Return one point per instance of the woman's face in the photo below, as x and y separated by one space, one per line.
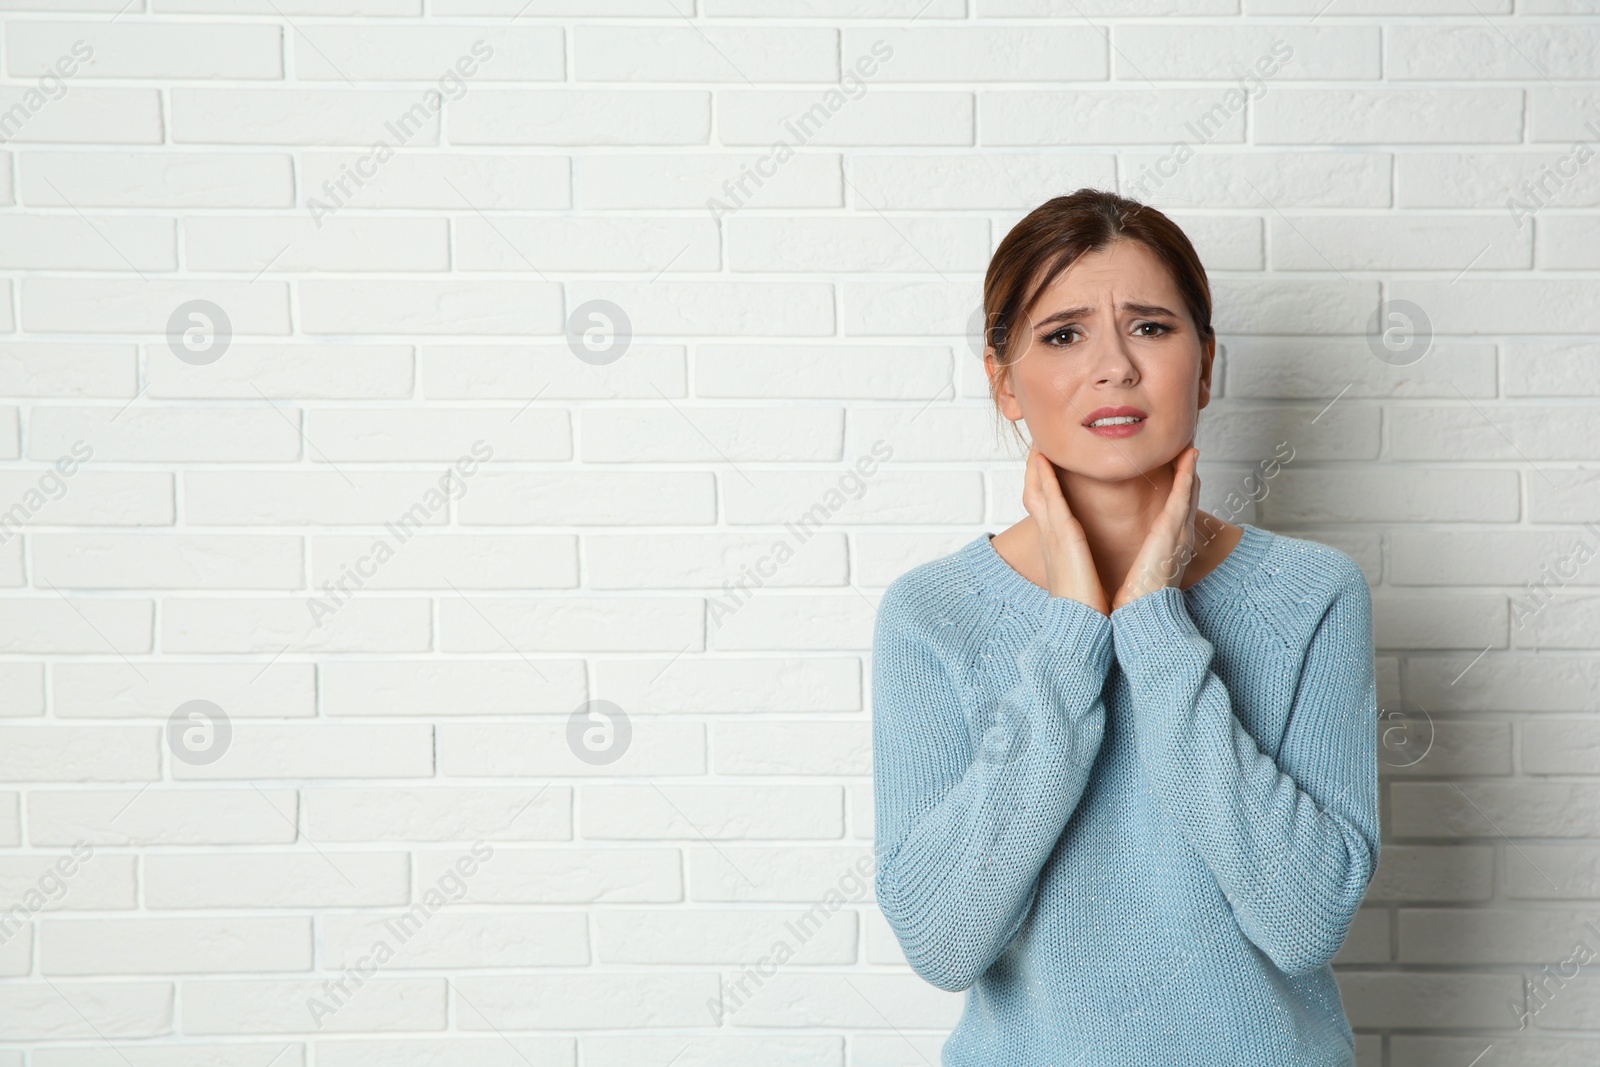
1110 332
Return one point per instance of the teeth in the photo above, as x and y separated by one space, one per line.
1116 420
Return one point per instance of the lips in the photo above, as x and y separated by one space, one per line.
1109 413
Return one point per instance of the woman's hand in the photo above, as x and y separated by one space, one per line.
1169 545
1068 564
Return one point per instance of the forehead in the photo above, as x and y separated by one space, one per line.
1128 270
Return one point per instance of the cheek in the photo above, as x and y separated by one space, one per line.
1032 380
1178 386
1052 379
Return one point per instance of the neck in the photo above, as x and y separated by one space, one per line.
1117 517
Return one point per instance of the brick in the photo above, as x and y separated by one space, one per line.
300 879
439 813
440 687
283 1007
163 816
111 690
566 876
134 561
174 946
89 1010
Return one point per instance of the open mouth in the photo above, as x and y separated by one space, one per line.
1120 421
1117 421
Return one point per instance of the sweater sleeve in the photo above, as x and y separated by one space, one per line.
1293 841
963 824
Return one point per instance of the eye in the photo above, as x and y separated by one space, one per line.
1161 326
1065 331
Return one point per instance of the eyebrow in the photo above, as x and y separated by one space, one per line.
1078 312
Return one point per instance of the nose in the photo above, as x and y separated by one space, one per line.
1112 364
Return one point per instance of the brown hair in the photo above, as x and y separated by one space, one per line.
1054 234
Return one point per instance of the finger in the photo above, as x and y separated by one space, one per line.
1166 549
1040 479
1189 533
1055 501
1194 486
1179 500
1032 493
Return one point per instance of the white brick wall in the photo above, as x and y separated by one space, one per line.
398 531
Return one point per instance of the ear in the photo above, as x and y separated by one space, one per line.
1208 355
1000 385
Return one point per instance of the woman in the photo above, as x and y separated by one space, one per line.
1135 826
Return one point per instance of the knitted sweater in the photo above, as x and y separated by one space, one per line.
1137 839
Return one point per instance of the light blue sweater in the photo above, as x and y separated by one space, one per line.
1136 840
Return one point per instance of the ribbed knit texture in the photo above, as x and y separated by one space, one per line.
1136 840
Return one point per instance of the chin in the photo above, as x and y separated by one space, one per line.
1130 462
1110 467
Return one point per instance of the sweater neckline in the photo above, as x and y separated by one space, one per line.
1001 578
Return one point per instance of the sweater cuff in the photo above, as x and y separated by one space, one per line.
1071 636
1152 629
